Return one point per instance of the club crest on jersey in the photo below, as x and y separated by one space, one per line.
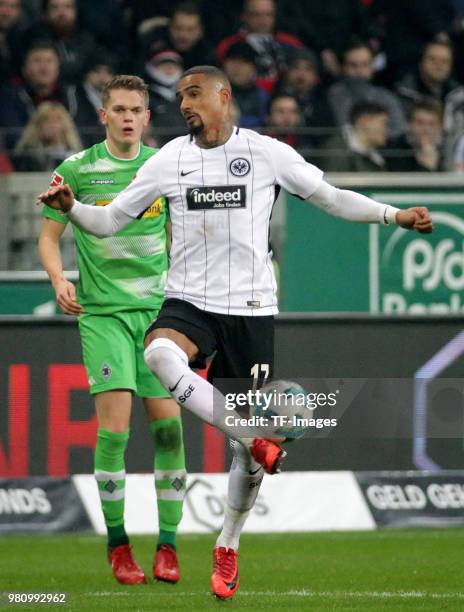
106 371
217 197
239 166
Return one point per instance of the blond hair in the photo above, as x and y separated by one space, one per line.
128 82
30 138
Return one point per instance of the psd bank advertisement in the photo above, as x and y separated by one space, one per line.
410 273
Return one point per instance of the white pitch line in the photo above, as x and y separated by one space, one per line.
302 593
104 594
358 594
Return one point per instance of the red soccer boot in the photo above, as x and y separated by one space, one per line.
225 578
125 568
268 454
166 566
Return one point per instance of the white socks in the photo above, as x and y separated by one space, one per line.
170 364
245 479
231 528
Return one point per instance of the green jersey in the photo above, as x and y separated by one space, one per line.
126 271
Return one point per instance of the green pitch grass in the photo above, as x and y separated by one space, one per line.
385 570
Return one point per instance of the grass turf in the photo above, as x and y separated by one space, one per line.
383 570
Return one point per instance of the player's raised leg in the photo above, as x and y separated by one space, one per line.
167 354
170 482
113 414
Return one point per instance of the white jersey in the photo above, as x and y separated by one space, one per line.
220 204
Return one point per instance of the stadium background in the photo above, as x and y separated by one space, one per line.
356 305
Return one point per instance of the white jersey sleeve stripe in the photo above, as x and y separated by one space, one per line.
252 225
272 200
228 229
184 207
204 231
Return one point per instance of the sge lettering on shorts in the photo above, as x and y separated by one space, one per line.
218 197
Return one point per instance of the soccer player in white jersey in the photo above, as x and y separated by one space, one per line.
221 183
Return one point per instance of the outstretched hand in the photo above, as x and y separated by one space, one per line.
417 218
60 197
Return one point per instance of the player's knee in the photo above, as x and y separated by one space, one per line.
113 437
168 436
162 354
152 356
116 428
114 423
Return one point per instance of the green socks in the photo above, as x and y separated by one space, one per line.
110 474
170 479
170 476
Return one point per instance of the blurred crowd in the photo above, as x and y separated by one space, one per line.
368 85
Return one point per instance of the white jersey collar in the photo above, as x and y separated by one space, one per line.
122 158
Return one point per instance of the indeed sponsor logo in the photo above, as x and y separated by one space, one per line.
217 197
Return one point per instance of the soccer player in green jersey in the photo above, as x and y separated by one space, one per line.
120 290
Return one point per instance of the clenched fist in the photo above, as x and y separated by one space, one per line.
417 218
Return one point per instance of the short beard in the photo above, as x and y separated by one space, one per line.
197 129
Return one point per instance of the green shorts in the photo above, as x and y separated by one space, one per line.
112 347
